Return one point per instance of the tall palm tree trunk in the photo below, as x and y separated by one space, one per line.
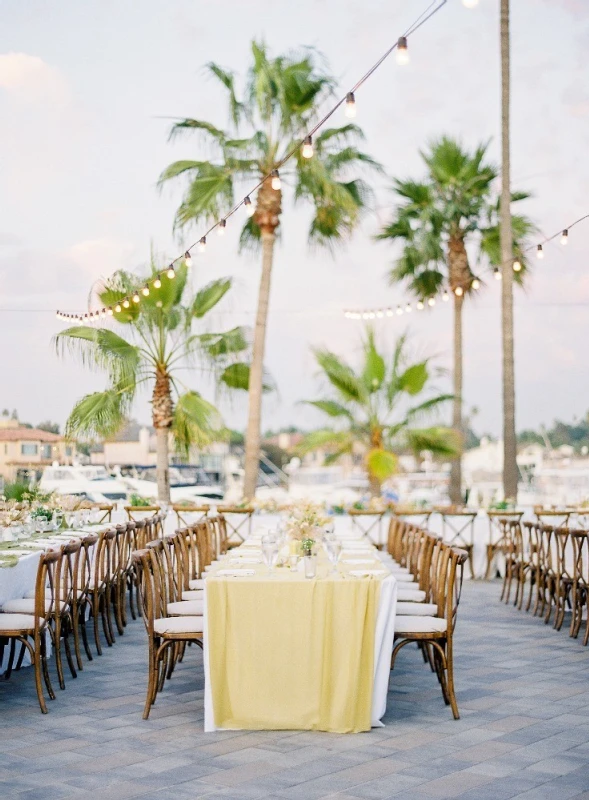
163 415
456 465
252 443
510 474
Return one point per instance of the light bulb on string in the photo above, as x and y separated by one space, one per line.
399 311
126 303
276 184
109 311
420 305
380 314
445 296
459 291
136 298
564 239
540 251
221 227
389 312
431 301
171 273
517 265
188 259
157 284
470 3
118 308
497 273
408 308
308 147
476 283
350 105
202 244
145 290
58 315
249 207
103 313
402 51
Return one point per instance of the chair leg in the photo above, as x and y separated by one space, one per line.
57 647
43 652
75 611
95 613
8 672
36 660
532 585
68 650
82 625
450 678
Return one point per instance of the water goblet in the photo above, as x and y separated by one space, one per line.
334 549
270 552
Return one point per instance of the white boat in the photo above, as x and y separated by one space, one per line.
187 483
91 482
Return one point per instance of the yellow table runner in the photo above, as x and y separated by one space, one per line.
290 653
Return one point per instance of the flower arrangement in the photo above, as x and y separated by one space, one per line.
303 520
267 506
11 513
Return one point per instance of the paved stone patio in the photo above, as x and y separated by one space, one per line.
523 692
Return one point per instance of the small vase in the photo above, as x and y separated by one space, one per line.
310 562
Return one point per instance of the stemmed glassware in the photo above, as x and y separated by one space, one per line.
334 549
270 552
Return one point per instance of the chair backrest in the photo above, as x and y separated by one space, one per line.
448 586
67 575
152 591
104 558
140 512
580 542
166 561
45 587
87 555
105 510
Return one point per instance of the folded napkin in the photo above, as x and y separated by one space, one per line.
234 573
358 560
8 561
365 573
242 560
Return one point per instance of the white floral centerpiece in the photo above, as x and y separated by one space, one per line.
304 522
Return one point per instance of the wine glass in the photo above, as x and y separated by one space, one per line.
270 552
334 549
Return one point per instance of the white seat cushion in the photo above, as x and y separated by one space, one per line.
197 594
408 625
401 570
16 622
186 608
405 580
172 625
417 609
23 606
410 595
196 584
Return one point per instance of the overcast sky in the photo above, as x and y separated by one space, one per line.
85 89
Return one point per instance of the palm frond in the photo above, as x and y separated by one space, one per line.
100 348
342 441
330 407
196 422
443 442
341 376
97 415
227 79
209 296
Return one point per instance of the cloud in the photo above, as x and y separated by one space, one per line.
29 79
9 240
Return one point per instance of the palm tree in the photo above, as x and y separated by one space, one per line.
372 404
510 473
452 207
279 101
161 344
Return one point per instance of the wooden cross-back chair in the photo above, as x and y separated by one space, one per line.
163 632
31 630
185 514
135 513
436 632
580 591
105 510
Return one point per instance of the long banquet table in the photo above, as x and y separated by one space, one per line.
285 652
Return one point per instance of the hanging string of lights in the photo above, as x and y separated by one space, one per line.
381 313
305 146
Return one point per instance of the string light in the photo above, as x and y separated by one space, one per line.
188 259
517 265
350 105
157 284
445 296
136 298
399 311
379 314
408 308
476 283
249 207
276 184
126 302
103 313
171 273
540 251
402 51
401 46
118 308
497 273
109 311
145 290
564 239
459 291
202 244
470 3
420 305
